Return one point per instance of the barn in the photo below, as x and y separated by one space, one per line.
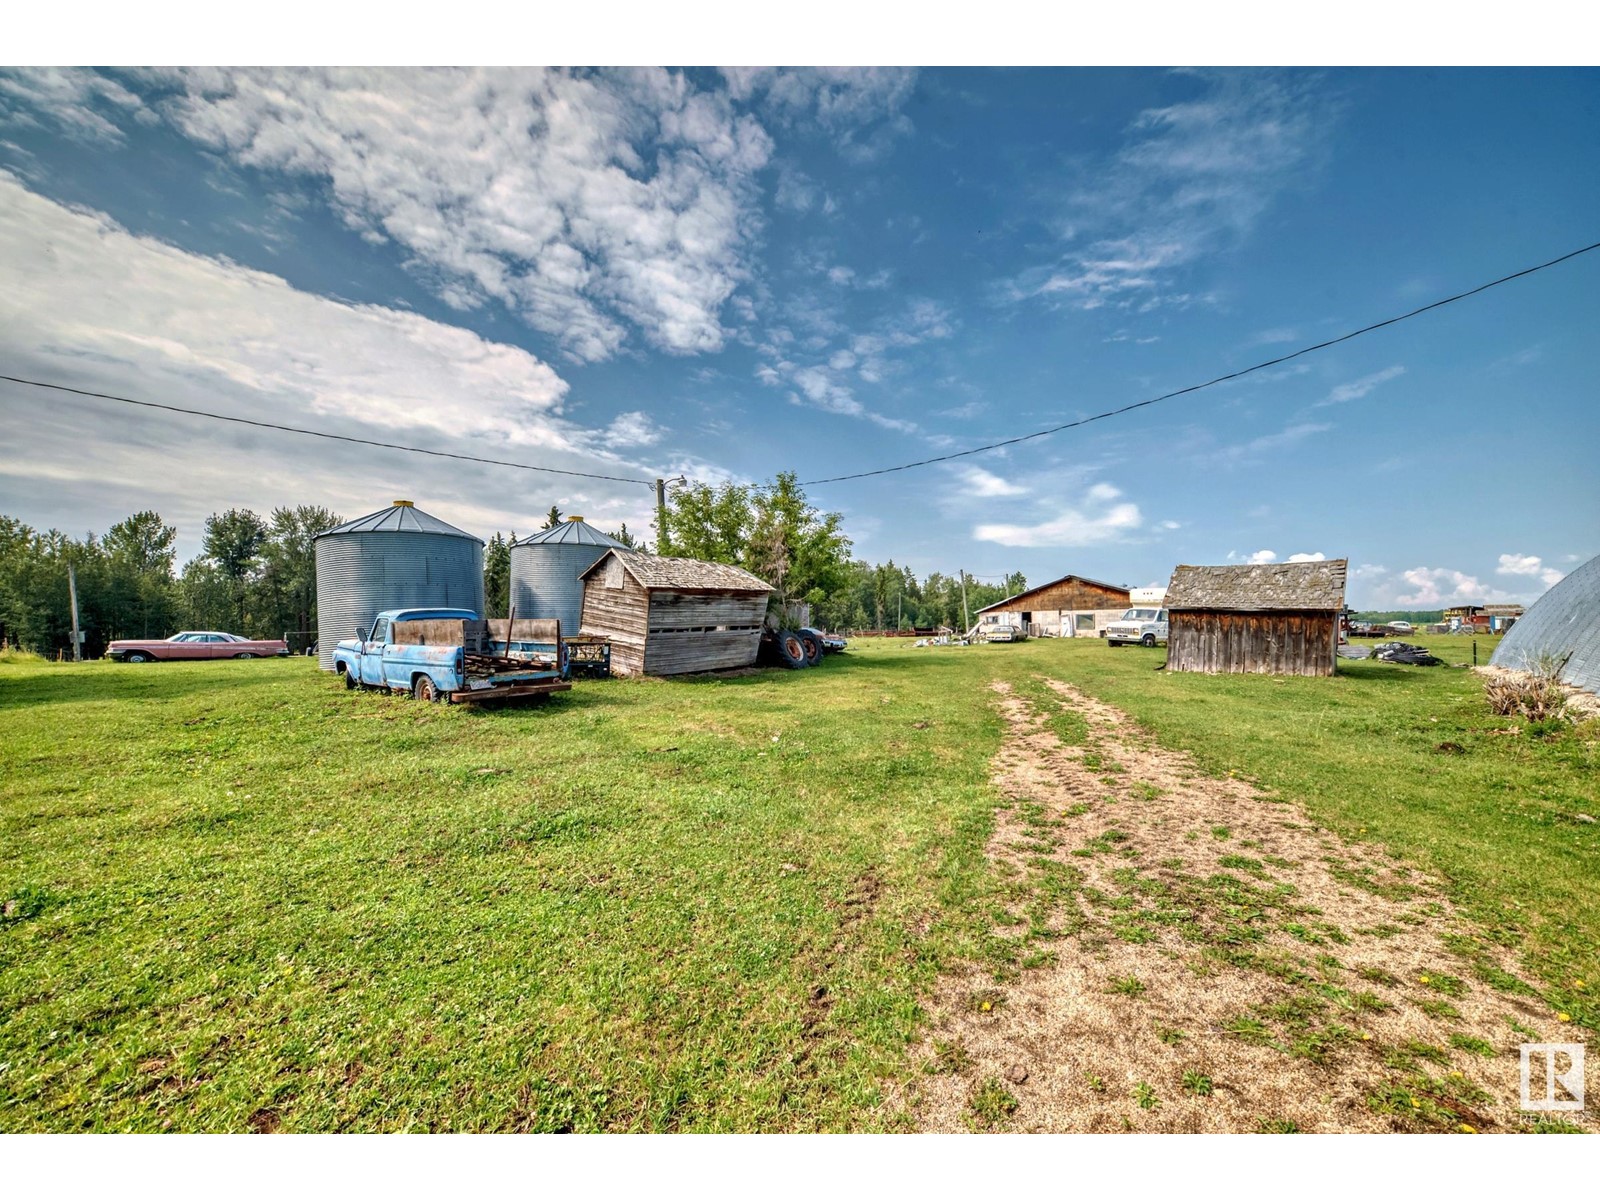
1071 606
669 616
1269 619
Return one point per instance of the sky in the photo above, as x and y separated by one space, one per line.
724 274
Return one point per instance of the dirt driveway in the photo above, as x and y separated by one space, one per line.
1185 954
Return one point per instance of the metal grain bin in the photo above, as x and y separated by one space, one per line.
1560 627
397 557
545 569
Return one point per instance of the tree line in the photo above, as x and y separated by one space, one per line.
254 575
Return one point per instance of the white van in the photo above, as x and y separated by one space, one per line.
1147 626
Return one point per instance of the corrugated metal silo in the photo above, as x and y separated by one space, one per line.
397 557
545 569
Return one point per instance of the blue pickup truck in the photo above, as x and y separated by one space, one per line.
451 654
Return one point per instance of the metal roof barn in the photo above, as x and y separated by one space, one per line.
397 557
545 568
1563 625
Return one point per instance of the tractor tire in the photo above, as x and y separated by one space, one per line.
813 646
790 648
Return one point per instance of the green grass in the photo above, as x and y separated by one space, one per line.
234 896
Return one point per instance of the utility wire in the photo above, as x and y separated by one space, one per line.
318 433
1115 412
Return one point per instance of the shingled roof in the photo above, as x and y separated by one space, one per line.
681 574
1267 587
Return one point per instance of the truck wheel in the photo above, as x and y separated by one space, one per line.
349 681
791 649
1148 639
1112 642
422 689
813 645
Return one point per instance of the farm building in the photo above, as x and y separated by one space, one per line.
1271 619
1071 606
669 616
1562 626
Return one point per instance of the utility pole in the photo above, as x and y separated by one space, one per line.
897 618
72 593
661 516
966 618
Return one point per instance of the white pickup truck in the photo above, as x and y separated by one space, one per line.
1147 626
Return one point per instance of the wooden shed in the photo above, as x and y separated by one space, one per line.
1271 619
1071 606
669 616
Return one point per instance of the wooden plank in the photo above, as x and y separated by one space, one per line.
428 633
531 629
468 696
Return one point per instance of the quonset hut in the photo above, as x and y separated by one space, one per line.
545 569
397 557
1563 626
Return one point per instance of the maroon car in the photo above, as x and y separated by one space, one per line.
204 644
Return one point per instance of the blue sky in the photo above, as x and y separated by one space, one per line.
730 273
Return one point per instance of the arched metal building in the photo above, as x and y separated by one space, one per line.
545 569
1563 624
397 557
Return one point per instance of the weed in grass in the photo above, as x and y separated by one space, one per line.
1094 1083
985 1000
1170 1037
1518 1027
1040 958
1276 1125
1449 985
949 1058
1145 1096
1427 1051
992 1104
1249 1029
1472 1045
1197 1084
1129 986
1221 832
1379 975
1441 1009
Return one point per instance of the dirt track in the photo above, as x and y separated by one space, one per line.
1189 955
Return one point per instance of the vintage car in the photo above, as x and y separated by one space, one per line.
191 644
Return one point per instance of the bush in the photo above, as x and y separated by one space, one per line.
1536 694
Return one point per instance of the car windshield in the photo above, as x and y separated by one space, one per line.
1139 614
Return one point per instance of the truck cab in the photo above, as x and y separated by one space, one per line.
1147 626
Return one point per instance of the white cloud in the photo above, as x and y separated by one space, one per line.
1358 388
71 97
1529 564
632 429
1268 443
981 483
85 303
1317 556
1194 177
1263 556
1097 519
858 106
1170 525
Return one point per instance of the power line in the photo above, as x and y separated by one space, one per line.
318 433
1116 412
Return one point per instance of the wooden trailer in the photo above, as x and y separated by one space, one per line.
1270 619
671 616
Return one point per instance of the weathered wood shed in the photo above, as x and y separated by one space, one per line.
669 616
1270 619
1071 606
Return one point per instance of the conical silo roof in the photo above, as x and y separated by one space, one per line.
574 531
400 517
1563 624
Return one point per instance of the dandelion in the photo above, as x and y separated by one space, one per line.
987 1005
1563 1016
1579 984
1466 1129
1424 979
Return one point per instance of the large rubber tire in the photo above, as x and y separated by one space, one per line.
813 646
349 681
139 656
790 648
422 689
1112 642
1148 639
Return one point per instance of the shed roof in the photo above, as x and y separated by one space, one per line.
652 571
1264 587
1054 583
574 531
400 517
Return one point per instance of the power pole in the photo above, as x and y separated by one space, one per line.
72 593
897 618
966 618
661 516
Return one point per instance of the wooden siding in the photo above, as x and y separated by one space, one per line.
1068 595
672 633
1277 643
621 614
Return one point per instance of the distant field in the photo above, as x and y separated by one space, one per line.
238 897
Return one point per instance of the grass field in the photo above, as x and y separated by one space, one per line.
238 897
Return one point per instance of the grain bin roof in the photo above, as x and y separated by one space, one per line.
399 518
682 574
574 531
1267 587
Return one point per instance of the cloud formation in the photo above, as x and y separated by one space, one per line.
1529 564
1357 388
1099 517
